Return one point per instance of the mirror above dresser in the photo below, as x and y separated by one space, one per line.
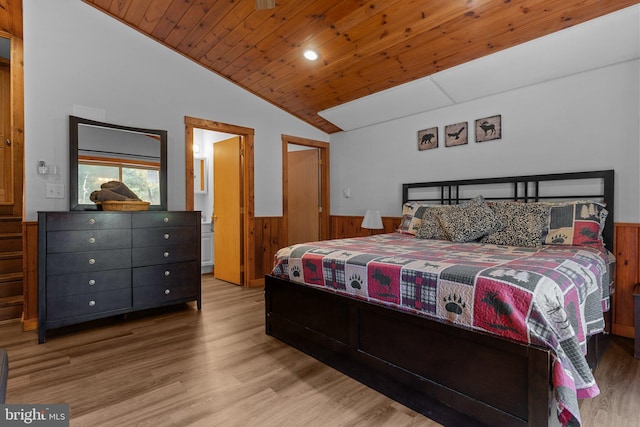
101 152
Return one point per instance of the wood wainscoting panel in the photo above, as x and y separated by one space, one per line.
270 236
627 274
343 226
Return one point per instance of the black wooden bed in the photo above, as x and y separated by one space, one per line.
462 377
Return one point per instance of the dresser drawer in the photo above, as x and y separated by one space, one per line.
87 221
164 255
82 262
87 304
87 240
185 274
143 237
159 288
165 219
83 283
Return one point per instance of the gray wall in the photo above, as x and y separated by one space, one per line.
76 55
586 121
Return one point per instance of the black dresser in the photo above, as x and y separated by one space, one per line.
97 264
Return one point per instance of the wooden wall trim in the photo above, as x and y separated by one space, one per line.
17 120
627 274
248 191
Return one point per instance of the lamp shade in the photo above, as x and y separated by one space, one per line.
372 220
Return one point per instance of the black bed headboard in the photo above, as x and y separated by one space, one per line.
598 185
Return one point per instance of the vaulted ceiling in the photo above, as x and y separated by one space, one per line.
365 46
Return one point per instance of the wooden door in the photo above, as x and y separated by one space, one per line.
303 196
11 112
6 154
227 211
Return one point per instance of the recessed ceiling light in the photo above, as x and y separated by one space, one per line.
310 55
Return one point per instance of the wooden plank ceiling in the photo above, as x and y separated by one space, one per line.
365 46
11 18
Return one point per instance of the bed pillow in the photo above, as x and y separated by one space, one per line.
469 221
430 226
578 223
412 217
525 224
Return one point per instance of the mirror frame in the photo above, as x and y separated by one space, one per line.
74 122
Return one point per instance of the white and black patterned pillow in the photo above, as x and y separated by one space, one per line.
469 221
430 227
525 224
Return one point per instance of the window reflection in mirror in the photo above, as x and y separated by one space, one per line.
143 180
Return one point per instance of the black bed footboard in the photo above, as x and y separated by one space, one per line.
451 375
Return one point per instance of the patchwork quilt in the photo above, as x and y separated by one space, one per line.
552 296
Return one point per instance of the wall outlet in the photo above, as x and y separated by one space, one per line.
55 191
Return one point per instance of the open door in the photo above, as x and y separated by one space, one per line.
227 210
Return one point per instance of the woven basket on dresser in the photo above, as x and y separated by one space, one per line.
129 205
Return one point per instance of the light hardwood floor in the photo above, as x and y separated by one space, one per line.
217 367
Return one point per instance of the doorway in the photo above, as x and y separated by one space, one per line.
305 189
11 125
217 195
244 155
303 194
18 284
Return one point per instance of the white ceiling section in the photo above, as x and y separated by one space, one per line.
611 39
400 101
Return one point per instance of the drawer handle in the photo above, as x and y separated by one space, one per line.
166 236
92 303
167 273
92 220
166 254
167 291
92 282
92 261
92 239
166 219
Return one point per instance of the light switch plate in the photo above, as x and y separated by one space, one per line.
55 191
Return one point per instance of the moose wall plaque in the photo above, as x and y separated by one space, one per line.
489 128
